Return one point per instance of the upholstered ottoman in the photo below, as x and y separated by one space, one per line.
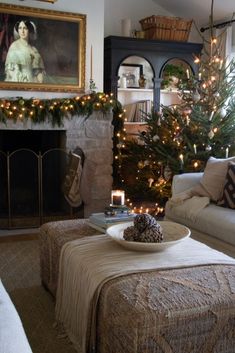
53 236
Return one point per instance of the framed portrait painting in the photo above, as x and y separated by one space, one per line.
42 50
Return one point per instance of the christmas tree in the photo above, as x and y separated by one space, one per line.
182 137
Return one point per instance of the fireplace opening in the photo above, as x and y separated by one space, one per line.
35 140
33 165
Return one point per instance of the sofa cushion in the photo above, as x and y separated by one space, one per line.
12 335
185 182
216 221
213 179
228 199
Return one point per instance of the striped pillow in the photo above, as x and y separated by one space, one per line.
228 199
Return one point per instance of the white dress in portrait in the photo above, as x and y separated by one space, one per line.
23 62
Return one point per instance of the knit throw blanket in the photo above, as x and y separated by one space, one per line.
87 264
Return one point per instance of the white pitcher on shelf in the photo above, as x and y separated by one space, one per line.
123 82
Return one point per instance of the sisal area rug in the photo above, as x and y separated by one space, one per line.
20 274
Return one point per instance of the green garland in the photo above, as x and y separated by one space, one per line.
56 110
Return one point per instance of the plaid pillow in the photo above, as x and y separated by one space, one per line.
228 199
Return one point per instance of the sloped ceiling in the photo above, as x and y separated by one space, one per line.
199 10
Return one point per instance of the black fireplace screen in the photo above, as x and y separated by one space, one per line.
31 188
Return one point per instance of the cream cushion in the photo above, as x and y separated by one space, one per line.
213 220
12 335
213 179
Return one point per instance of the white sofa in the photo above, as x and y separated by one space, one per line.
211 221
12 335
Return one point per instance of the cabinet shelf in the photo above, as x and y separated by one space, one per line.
135 123
135 89
156 52
169 91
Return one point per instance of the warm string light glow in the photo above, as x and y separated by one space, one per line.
84 105
205 90
182 137
151 208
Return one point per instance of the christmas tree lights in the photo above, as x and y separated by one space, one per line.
180 138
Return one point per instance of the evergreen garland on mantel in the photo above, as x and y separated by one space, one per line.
56 110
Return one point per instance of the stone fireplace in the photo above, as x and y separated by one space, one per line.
93 135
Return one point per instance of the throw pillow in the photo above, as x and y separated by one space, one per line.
228 199
213 179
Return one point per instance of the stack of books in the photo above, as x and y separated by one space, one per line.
101 221
114 210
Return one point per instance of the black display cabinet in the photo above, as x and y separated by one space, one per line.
157 53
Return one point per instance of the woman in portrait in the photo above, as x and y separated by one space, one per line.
23 62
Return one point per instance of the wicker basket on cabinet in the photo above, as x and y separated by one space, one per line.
166 28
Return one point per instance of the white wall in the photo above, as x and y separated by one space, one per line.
94 10
103 19
116 10
136 10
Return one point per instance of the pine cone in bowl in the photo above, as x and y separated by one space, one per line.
146 229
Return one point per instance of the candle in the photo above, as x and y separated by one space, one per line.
195 148
181 157
126 27
211 116
118 197
187 73
199 76
91 64
221 64
226 152
187 120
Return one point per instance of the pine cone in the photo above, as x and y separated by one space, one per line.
151 230
130 234
152 235
144 221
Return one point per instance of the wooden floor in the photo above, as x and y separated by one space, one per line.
18 237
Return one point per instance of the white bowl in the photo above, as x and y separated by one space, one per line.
173 233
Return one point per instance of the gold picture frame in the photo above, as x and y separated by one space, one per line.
59 45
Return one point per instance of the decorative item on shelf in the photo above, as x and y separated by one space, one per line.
138 34
142 81
172 74
132 73
166 28
123 82
117 197
92 85
126 27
